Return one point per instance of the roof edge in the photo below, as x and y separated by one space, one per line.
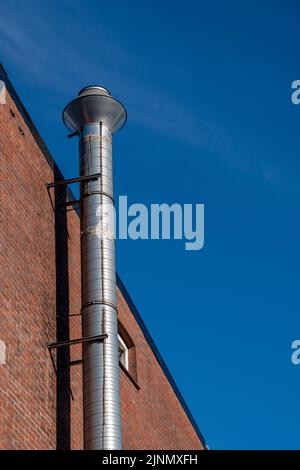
159 358
35 133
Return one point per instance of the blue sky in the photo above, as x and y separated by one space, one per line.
207 88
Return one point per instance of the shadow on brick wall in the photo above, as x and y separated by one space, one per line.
63 404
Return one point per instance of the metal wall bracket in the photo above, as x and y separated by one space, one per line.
68 203
72 342
64 182
73 180
73 134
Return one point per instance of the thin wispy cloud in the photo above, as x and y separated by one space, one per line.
53 60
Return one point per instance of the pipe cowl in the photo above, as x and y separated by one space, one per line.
94 104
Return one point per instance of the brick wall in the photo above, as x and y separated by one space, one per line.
39 287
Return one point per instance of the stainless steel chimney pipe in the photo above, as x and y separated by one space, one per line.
95 115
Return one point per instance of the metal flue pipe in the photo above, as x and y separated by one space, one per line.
95 115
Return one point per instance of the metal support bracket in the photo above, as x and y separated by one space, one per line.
73 180
73 134
72 342
64 182
68 203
